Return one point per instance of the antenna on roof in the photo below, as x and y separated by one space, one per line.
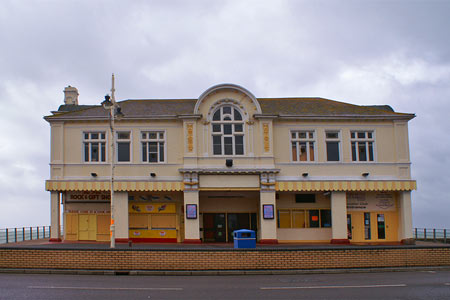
113 98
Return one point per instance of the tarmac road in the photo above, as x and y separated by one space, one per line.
388 285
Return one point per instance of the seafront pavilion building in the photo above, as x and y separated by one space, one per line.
194 170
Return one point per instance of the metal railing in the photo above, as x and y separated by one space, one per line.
14 235
432 234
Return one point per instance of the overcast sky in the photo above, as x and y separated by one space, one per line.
361 52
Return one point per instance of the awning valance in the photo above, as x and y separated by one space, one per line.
311 186
282 186
119 186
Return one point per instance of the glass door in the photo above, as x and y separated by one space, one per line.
208 228
367 232
237 221
220 228
214 229
381 227
349 226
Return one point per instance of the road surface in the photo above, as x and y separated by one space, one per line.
390 285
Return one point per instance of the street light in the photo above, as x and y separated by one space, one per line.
115 113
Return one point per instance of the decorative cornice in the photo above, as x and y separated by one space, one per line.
189 116
347 117
229 171
261 116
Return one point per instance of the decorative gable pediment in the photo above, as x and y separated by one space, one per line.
223 94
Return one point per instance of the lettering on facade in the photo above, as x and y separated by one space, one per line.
150 198
89 196
152 208
266 137
370 201
190 137
384 200
356 201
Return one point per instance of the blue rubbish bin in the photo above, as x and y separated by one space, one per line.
244 238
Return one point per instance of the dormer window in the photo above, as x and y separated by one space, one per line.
227 131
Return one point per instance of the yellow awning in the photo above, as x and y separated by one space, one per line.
282 186
119 186
311 186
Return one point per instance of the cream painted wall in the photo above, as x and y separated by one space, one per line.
74 165
229 181
286 235
391 140
56 151
387 136
121 214
282 133
238 205
73 142
401 141
286 200
339 215
268 227
343 171
405 215
55 221
87 207
191 226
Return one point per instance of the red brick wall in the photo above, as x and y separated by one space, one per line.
224 260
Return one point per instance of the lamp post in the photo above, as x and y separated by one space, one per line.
115 113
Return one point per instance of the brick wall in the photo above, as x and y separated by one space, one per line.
260 259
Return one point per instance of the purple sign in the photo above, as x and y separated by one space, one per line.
268 211
191 211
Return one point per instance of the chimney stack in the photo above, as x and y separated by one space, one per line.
70 96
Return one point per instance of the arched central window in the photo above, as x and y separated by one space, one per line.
227 131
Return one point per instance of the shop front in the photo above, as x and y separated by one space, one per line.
86 216
304 217
293 213
154 217
221 213
372 217
145 216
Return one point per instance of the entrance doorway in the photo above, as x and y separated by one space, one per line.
380 226
214 228
219 227
87 227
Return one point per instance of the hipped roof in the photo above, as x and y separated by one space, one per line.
275 107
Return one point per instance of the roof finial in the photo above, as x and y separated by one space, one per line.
113 98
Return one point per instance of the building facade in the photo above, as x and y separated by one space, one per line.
194 170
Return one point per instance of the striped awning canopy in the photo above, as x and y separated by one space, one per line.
119 186
311 186
282 186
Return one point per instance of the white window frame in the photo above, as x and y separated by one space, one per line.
297 140
338 139
366 140
233 133
90 141
157 140
129 140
